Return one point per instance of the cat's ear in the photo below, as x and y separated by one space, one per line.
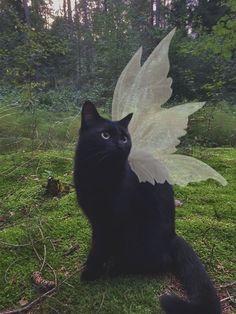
89 114
126 120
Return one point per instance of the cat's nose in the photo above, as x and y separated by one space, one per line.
120 145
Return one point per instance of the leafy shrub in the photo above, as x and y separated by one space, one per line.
38 129
213 126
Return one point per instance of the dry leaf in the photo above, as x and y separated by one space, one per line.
220 266
23 302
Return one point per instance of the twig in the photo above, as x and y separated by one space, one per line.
35 251
44 257
54 273
36 171
44 247
68 284
6 173
227 285
101 304
53 246
222 300
8 268
15 245
71 275
31 304
59 302
52 308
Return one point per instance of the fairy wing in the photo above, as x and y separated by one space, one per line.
147 168
124 85
159 132
141 88
185 169
175 169
159 140
155 131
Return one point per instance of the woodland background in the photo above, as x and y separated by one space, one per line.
55 60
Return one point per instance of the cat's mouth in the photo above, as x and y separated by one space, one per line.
117 155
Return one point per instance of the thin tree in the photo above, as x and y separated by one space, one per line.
27 13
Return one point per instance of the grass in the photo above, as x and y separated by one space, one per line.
206 220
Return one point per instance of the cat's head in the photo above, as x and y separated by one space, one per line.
103 140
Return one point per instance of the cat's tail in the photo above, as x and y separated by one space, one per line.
201 293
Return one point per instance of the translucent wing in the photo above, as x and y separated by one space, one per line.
141 88
147 168
155 131
159 132
159 135
124 85
185 169
176 169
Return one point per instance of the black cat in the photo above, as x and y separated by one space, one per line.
133 223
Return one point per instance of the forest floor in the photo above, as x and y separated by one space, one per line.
50 234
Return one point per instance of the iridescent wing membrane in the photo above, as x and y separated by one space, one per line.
155 131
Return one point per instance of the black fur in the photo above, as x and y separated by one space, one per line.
133 223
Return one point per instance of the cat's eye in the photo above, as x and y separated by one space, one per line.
124 139
105 135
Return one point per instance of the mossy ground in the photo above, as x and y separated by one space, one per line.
206 220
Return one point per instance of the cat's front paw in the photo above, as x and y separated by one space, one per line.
90 274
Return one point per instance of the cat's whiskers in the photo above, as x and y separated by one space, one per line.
95 155
103 157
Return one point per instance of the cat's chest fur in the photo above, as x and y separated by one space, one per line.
117 199
105 195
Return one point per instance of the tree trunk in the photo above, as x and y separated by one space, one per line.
87 40
27 14
105 6
69 11
158 12
78 69
152 13
64 10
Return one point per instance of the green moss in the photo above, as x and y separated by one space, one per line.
206 220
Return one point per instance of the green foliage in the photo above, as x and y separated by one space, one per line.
215 54
49 120
53 120
214 125
88 48
21 129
